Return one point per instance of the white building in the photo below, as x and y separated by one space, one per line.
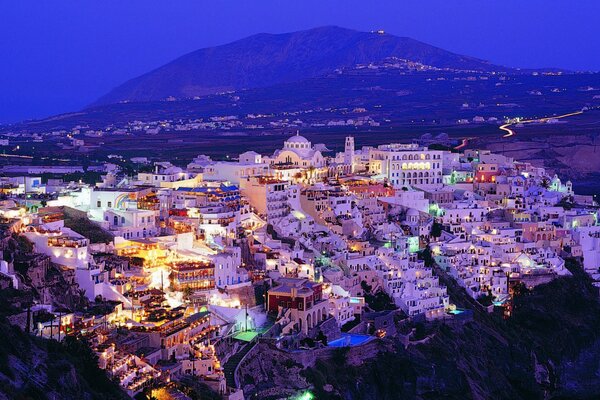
298 151
407 164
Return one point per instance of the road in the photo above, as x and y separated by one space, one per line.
462 144
510 132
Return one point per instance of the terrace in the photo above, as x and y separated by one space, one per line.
67 241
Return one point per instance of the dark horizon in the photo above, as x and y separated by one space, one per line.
60 57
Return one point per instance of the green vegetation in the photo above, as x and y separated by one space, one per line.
438 146
351 324
427 257
87 228
566 203
321 338
260 293
436 229
378 301
485 299
89 177
23 244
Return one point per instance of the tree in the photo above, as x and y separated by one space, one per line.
365 287
427 257
322 338
485 299
545 183
436 229
380 301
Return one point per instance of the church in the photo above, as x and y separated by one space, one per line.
298 151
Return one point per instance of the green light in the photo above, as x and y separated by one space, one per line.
435 210
453 178
304 396
413 244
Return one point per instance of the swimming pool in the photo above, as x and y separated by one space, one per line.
349 340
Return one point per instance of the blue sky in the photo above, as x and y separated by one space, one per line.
57 56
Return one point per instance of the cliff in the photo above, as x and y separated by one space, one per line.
34 368
549 348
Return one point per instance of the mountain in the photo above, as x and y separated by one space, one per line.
267 59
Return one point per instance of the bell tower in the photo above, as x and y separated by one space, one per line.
349 152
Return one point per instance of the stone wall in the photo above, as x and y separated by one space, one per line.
329 327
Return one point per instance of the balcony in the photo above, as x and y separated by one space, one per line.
63 241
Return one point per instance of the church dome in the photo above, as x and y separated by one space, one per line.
298 144
297 139
412 213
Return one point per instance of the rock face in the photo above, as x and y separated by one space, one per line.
33 368
273 373
267 59
550 348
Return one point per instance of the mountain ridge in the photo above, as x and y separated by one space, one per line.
266 59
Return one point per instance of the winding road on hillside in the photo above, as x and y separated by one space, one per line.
510 132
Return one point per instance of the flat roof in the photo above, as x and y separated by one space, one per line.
245 336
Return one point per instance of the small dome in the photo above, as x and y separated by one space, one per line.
412 213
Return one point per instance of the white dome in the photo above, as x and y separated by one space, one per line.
412 213
297 139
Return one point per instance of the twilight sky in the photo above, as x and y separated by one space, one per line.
57 56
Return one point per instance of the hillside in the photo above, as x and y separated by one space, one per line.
268 59
34 368
549 349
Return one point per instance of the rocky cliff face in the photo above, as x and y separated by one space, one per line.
550 348
33 368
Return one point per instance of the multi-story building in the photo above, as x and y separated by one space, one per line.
303 299
194 275
268 196
407 164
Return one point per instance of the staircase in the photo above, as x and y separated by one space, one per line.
234 361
